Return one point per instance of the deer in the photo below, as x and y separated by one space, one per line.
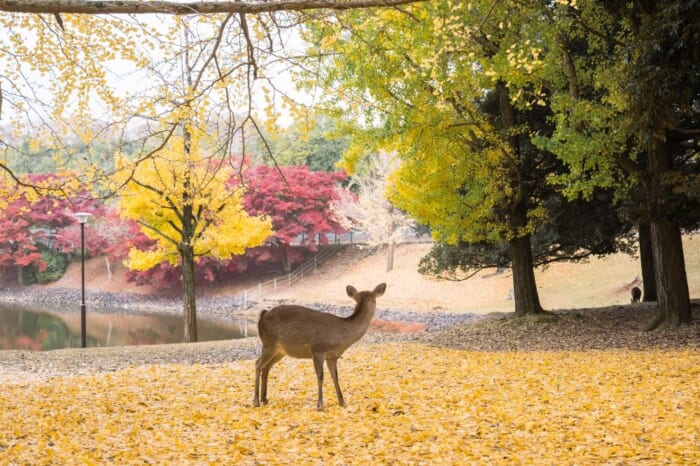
636 294
300 332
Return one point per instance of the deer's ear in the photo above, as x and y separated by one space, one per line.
379 290
351 291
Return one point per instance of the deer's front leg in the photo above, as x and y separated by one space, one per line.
318 365
333 369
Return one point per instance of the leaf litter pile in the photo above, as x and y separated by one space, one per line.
407 404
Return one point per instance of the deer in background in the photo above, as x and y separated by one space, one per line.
636 294
300 332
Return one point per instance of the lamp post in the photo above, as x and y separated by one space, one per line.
82 219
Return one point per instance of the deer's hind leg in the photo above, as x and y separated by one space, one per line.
318 365
265 373
262 369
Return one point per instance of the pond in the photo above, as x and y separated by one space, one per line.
22 327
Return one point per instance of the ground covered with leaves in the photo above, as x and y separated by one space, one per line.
577 387
605 328
407 404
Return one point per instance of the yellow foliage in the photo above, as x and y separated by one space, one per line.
159 190
408 404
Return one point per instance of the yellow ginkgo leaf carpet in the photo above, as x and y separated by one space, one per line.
407 404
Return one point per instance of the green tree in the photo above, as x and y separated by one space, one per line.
628 119
458 90
317 145
55 266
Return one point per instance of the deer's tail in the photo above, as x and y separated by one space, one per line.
260 319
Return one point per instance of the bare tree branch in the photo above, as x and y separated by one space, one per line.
187 8
249 46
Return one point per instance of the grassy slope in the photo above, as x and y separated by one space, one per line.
599 282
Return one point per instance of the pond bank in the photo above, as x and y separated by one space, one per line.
222 309
598 329
24 365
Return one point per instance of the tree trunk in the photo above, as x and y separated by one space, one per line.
189 297
527 300
671 278
390 256
108 265
646 257
147 7
284 257
667 245
391 243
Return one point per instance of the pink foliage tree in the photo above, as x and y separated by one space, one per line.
295 198
298 201
29 220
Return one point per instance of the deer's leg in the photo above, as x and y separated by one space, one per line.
333 369
318 365
256 398
260 365
265 372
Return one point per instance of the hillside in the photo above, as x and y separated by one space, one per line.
599 282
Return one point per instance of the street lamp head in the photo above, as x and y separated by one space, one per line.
82 216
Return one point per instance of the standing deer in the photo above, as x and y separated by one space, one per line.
636 294
300 332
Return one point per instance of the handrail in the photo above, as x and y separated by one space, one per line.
271 286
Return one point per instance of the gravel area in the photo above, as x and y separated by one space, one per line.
223 309
614 327
23 365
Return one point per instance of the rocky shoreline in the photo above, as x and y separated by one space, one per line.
23 365
222 309
608 328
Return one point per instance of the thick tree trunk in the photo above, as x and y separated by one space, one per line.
186 247
671 278
646 257
667 245
527 300
189 297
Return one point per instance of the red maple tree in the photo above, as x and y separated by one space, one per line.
29 220
298 202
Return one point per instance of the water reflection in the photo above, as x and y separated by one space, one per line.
24 328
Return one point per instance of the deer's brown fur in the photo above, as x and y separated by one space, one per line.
300 332
636 294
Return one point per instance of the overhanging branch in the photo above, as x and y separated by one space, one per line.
91 7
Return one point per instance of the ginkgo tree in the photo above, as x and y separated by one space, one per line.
57 89
75 74
457 90
181 199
